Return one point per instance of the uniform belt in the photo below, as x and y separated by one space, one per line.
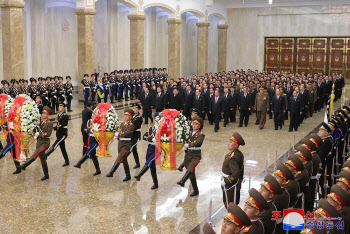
138 130
86 87
125 139
307 184
313 177
225 175
195 148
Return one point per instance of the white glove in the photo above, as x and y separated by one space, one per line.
223 182
154 140
186 146
116 136
36 135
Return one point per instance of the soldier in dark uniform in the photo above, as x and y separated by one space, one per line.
10 147
86 88
86 115
61 133
68 90
252 207
136 136
38 101
4 89
90 148
60 92
120 86
339 199
25 88
43 142
52 94
193 154
112 86
149 136
262 104
93 87
207 229
124 135
32 92
126 84
106 86
233 170
327 213
269 188
234 220
14 91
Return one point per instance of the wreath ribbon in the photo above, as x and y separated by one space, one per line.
100 117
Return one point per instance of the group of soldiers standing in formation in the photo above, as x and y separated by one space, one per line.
315 178
49 91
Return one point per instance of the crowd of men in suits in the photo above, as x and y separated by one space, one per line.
280 96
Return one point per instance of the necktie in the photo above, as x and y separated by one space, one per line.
295 99
197 98
216 100
245 95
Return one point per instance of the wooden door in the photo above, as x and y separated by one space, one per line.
272 54
286 54
304 55
337 53
319 52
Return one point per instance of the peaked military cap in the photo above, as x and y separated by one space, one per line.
326 210
283 172
62 104
316 139
198 120
344 177
324 126
137 106
237 216
295 162
47 110
236 137
86 75
196 111
256 200
271 184
129 111
304 153
68 77
207 229
339 196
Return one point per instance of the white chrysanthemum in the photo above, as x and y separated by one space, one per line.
112 120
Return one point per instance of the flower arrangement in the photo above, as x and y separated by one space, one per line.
6 102
24 111
182 128
105 111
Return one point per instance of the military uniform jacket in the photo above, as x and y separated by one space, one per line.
257 227
68 88
262 102
62 123
324 150
14 92
293 189
137 122
45 130
126 131
32 91
60 89
52 90
265 217
4 91
316 161
195 142
281 201
233 169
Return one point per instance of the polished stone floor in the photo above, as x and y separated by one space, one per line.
74 201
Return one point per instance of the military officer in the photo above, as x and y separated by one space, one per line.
124 135
86 88
269 188
234 220
262 103
38 101
193 154
233 170
136 136
312 97
61 133
43 142
14 91
4 89
253 205
60 92
68 90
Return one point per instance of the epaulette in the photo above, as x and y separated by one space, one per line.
232 154
287 182
299 172
246 229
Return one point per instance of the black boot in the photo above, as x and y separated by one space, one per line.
18 168
46 172
114 168
81 161
195 187
2 155
183 180
137 160
97 166
127 172
49 151
26 164
155 181
143 171
181 166
66 159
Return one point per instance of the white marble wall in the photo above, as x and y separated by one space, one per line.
248 28
213 39
188 46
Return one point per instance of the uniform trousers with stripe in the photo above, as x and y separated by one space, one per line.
10 147
191 163
60 142
150 158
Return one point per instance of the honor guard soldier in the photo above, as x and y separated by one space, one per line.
149 136
132 84
60 92
124 135
193 154
32 92
42 91
4 89
68 90
233 170
52 94
86 114
38 101
93 87
340 200
136 136
234 220
25 88
126 85
137 84
86 88
269 188
20 86
106 86
120 86
14 91
113 89
61 133
10 147
326 213
90 150
253 205
43 142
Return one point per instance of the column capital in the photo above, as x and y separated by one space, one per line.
12 3
174 21
136 17
203 24
85 11
223 26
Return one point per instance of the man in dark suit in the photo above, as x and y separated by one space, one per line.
272 92
294 111
233 105
319 101
159 104
176 101
278 108
147 105
244 106
199 103
304 102
208 97
86 115
215 109
226 106
166 93
188 99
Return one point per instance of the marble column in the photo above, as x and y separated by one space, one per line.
202 48
174 31
222 48
86 50
137 41
12 38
